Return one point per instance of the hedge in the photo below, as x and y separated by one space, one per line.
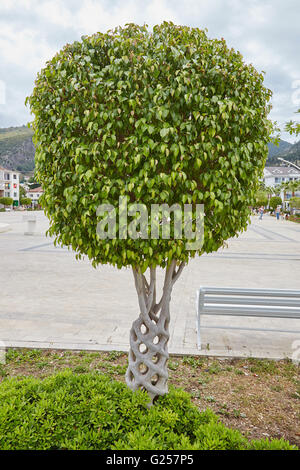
91 411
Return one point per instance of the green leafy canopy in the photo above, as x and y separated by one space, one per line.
162 116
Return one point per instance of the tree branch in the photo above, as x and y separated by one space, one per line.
177 273
167 284
140 288
152 289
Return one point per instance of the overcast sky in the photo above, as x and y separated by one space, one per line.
266 32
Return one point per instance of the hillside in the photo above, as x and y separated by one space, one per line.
16 148
290 152
282 147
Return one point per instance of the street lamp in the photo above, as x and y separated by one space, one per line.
290 163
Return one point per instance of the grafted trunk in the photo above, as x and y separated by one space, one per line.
149 335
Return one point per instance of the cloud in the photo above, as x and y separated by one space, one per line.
32 31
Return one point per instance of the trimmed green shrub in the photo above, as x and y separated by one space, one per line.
295 202
91 411
6 201
275 201
261 199
25 201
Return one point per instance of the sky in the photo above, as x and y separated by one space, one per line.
266 32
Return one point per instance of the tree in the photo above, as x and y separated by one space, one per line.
293 127
275 201
6 201
167 116
291 186
261 199
295 202
22 192
25 201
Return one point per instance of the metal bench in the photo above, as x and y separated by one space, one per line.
275 303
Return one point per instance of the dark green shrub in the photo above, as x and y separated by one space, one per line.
90 411
275 201
6 201
25 201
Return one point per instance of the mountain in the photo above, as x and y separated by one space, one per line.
277 150
16 148
285 150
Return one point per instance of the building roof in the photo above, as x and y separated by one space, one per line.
6 169
282 170
36 190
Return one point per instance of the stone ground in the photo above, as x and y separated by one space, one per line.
50 300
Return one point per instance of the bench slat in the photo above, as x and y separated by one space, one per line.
251 311
246 300
251 292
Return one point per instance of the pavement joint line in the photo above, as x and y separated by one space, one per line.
254 229
37 246
273 233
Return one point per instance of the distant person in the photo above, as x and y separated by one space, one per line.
277 212
261 213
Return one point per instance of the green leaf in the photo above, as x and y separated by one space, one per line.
164 132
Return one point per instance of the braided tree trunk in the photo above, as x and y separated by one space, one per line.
149 335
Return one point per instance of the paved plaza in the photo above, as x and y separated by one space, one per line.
50 300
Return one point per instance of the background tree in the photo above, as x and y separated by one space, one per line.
295 202
275 201
290 186
6 201
293 127
22 192
168 116
261 199
25 201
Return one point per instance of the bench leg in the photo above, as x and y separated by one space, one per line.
198 332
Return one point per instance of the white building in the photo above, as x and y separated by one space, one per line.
34 195
275 175
10 184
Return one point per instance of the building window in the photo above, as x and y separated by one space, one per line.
15 177
7 194
6 176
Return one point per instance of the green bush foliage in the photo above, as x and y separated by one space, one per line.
91 411
6 201
169 116
275 201
295 202
25 201
261 199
